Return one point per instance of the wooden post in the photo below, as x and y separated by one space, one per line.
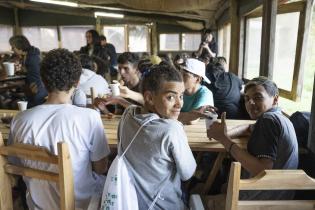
235 34
17 28
311 132
268 38
5 183
59 37
241 49
301 49
154 39
98 25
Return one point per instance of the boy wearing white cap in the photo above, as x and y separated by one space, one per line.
196 96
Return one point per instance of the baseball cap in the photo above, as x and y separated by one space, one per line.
196 67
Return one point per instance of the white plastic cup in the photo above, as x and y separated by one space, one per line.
22 105
115 89
9 68
212 117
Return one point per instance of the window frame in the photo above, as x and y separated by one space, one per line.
148 37
48 26
61 44
180 34
226 41
296 91
179 39
126 35
8 51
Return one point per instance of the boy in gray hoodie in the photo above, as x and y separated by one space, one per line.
160 156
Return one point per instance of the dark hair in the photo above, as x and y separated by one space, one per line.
60 70
144 65
207 31
95 37
218 62
159 74
270 87
20 42
102 37
221 59
128 57
204 57
86 62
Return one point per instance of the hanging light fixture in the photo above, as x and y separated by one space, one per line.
63 3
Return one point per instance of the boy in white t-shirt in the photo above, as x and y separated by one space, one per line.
89 79
58 120
160 155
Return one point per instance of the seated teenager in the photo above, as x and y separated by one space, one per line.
272 141
90 79
160 154
57 120
196 96
79 98
226 88
130 86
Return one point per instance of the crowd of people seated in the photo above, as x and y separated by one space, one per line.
168 92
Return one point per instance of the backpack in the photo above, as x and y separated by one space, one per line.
119 191
301 122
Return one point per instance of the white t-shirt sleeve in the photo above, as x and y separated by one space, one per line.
184 159
98 145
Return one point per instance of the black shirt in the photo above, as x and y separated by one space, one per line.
225 87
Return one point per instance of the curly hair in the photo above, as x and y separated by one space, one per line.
159 74
270 87
60 70
20 42
128 57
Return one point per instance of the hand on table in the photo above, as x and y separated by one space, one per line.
101 103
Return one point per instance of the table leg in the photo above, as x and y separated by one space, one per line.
213 172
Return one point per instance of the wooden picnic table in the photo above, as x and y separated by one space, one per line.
12 78
196 134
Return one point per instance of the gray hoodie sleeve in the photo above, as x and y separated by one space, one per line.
184 159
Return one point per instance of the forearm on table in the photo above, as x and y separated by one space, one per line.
138 97
188 118
240 130
124 103
250 163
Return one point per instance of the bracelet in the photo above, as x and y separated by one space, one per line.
231 145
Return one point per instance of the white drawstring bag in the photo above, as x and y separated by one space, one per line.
119 191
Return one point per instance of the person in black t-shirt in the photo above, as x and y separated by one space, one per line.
130 84
226 89
111 51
